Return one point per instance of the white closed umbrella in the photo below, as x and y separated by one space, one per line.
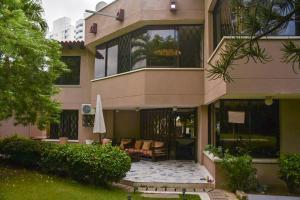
99 124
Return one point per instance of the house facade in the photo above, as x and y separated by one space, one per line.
150 69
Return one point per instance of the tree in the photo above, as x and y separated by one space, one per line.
256 19
29 64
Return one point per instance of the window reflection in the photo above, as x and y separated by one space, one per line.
246 126
185 123
227 22
157 48
112 60
100 62
151 46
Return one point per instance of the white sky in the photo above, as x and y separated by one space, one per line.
74 9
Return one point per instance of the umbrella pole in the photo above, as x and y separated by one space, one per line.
100 141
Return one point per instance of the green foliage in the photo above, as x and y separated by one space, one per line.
216 151
255 20
289 165
21 151
85 163
240 172
29 64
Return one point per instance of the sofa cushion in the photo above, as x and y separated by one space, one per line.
158 144
147 145
138 144
124 142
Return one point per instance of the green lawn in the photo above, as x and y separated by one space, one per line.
22 184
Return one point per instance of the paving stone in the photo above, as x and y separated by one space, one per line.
171 171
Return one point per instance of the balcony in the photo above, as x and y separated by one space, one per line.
256 80
150 88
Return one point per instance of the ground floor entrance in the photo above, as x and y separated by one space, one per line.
175 127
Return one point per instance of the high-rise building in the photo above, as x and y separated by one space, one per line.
79 29
63 30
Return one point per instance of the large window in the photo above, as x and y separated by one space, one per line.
246 126
67 127
152 46
73 76
227 22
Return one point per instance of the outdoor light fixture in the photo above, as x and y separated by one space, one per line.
137 109
174 109
268 100
93 28
173 6
120 14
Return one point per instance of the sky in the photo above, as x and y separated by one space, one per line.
74 9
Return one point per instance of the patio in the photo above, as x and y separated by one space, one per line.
169 174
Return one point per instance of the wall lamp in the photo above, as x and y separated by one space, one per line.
173 6
120 14
268 100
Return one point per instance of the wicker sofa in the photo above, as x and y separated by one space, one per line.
148 149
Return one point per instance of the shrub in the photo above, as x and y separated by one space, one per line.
85 163
216 151
289 165
21 151
240 172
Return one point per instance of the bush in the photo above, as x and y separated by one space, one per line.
21 151
240 172
289 165
85 163
216 151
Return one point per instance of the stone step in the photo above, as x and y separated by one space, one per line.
187 186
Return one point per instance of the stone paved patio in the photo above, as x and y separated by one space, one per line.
170 171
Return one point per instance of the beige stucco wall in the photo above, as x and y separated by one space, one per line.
127 124
256 80
8 128
148 88
140 13
290 126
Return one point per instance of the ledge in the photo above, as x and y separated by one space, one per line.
149 69
57 140
254 160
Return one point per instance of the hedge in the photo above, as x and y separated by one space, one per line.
85 163
289 171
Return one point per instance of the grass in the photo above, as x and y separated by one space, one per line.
23 184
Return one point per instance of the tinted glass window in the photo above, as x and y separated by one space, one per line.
100 62
163 48
190 48
227 22
112 60
73 76
247 126
152 46
139 49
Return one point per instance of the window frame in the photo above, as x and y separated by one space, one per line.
60 81
216 113
145 29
